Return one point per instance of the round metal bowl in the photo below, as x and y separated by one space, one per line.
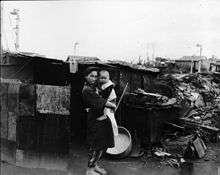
123 144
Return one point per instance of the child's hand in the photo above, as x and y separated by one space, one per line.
103 117
113 106
110 105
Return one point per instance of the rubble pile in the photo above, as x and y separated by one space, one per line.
198 98
199 95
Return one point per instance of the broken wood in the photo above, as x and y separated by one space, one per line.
193 123
175 125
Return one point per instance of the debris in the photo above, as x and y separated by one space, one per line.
172 162
182 160
177 146
198 98
197 93
161 153
200 147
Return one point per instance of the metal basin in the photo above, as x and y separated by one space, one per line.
123 144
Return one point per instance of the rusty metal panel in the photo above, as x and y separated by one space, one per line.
147 82
27 133
12 117
53 99
53 133
4 124
125 77
45 132
27 100
13 97
14 72
136 81
4 96
4 109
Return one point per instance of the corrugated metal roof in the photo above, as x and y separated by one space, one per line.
28 55
83 60
191 58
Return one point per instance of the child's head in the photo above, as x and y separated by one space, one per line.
103 76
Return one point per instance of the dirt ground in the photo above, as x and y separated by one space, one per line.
75 164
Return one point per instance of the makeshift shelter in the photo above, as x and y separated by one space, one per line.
35 102
41 104
186 63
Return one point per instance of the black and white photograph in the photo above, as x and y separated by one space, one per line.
110 87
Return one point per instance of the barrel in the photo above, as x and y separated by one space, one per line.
123 144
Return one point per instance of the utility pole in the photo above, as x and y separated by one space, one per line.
15 12
200 56
147 53
153 49
1 19
75 44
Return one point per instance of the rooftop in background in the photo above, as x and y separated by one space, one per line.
95 60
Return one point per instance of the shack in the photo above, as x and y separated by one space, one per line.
215 67
35 102
41 104
186 63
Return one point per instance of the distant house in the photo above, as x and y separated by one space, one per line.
215 67
186 63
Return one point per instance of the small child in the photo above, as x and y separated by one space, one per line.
108 92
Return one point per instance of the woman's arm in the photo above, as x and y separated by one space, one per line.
93 100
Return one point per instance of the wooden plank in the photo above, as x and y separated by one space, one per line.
175 125
193 123
199 146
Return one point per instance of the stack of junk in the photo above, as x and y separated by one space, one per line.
195 100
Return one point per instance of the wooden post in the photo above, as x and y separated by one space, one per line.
191 68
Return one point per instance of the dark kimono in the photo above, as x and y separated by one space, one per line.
99 133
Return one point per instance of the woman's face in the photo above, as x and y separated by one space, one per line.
91 78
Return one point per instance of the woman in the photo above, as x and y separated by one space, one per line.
99 128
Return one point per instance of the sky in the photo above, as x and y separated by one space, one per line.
124 29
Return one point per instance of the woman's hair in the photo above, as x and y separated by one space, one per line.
89 70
